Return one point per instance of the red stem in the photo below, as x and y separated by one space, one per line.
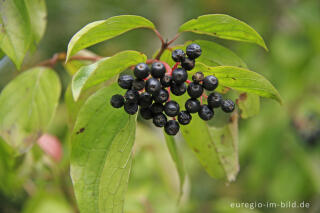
175 66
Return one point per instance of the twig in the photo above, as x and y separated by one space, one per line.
62 57
174 39
159 36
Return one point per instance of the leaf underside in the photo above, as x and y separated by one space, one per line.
101 155
27 105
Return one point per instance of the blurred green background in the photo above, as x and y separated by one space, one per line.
279 149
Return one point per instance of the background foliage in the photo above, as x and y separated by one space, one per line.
279 159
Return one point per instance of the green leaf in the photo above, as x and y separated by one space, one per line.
103 30
22 24
1 54
103 70
225 27
73 66
240 79
15 30
101 155
38 17
215 148
249 105
173 150
45 202
213 54
27 105
197 136
226 143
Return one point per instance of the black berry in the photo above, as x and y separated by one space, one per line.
179 75
146 113
188 64
198 77
158 70
192 105
227 105
184 117
195 90
214 100
165 80
172 127
171 108
117 101
159 120
205 113
125 81
145 99
138 84
178 55
153 86
162 96
193 51
178 89
141 71
157 108
132 96
210 83
131 108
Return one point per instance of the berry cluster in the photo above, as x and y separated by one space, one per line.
152 93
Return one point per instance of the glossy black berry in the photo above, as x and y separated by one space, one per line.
172 127
132 96
141 71
162 96
205 113
210 83
153 86
171 108
193 51
146 113
145 99
159 120
158 70
198 77
178 55
184 117
125 81
165 81
227 105
178 89
117 101
138 84
192 105
156 108
188 64
179 75
214 100
195 90
131 108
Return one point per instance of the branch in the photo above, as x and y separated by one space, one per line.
174 39
62 57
